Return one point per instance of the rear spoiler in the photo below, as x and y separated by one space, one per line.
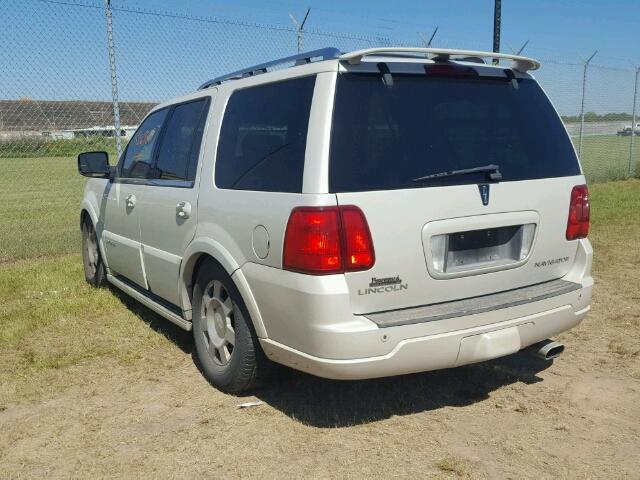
522 64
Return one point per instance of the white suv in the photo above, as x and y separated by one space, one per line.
358 215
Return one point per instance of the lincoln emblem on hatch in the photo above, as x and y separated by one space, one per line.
484 193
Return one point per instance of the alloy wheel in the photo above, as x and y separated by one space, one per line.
217 312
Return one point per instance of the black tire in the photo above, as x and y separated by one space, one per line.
94 271
218 315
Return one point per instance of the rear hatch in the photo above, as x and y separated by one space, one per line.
401 150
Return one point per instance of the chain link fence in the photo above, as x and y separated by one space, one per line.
56 98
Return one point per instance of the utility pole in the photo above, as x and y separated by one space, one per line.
427 43
633 120
584 88
497 23
114 76
299 27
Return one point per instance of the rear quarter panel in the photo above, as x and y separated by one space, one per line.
230 216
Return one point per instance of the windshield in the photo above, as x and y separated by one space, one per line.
384 137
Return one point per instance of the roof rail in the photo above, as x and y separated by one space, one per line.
521 64
299 59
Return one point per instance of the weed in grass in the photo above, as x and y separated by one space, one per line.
453 464
622 349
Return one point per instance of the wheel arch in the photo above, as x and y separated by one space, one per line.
84 216
199 251
87 212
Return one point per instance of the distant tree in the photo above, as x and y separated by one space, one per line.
591 117
594 117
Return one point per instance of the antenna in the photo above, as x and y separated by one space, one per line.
427 43
299 27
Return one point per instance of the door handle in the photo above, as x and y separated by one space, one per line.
131 200
183 210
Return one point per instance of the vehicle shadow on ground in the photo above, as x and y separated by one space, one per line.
326 403
329 404
181 338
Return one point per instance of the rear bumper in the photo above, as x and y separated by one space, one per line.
309 326
433 352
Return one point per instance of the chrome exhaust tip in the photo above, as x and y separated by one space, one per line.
547 349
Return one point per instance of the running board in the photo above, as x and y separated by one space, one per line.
148 302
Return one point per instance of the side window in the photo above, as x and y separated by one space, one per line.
180 144
263 137
139 155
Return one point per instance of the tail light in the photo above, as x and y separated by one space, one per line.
578 222
327 240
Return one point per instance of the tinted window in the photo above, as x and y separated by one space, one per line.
263 137
139 155
382 137
180 145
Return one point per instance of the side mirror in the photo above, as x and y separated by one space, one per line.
94 164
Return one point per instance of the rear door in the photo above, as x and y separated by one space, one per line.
168 209
441 236
121 233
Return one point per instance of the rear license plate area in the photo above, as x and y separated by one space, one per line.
488 248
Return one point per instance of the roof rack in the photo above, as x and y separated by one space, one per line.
300 59
522 64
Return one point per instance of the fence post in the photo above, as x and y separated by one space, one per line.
299 27
584 87
633 122
114 76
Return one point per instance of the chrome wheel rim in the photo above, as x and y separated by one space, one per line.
217 314
91 251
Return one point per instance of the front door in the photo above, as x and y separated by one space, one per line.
168 210
121 233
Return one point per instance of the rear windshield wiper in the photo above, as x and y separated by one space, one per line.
492 170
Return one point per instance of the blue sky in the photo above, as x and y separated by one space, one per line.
573 28
55 50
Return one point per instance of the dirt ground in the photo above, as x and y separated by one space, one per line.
154 415
510 418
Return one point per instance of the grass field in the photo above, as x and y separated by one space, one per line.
40 196
40 200
606 157
39 147
93 384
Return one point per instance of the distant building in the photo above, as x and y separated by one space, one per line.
96 131
66 119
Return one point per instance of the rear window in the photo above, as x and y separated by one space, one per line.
263 137
384 137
